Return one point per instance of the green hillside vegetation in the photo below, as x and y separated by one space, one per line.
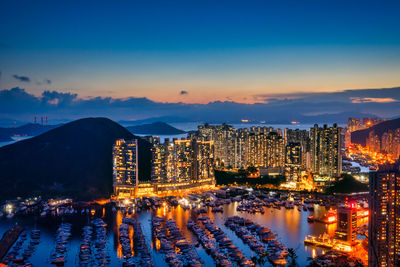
347 184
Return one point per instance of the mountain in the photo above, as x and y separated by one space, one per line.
360 137
156 128
72 160
167 119
30 129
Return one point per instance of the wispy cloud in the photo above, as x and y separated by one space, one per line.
373 99
21 78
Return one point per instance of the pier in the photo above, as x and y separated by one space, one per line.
8 240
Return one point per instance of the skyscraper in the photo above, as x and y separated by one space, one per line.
325 149
125 167
384 220
293 160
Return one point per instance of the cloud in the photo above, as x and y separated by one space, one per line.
183 92
57 98
322 107
22 78
372 99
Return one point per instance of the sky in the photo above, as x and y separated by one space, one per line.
199 52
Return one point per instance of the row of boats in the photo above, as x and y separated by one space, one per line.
257 205
225 245
101 258
92 250
85 251
15 258
253 234
178 251
142 255
62 236
209 244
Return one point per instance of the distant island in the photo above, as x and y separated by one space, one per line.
156 128
30 129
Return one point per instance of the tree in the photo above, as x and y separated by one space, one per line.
252 170
293 256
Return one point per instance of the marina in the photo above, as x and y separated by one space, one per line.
205 229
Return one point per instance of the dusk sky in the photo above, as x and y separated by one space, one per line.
199 51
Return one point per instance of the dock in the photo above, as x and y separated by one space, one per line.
8 240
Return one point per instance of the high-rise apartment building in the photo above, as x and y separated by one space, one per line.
293 161
275 150
223 137
125 166
183 161
265 149
384 218
303 138
325 150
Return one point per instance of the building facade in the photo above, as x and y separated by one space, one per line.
125 167
384 220
293 161
326 150
182 163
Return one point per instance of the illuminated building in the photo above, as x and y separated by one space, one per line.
302 137
326 150
224 139
347 224
385 145
373 142
354 124
125 167
293 160
275 150
384 216
256 150
203 160
172 161
240 148
265 148
182 164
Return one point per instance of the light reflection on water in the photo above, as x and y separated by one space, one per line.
291 227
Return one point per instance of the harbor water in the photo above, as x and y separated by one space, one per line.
289 225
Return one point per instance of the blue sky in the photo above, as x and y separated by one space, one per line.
213 50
